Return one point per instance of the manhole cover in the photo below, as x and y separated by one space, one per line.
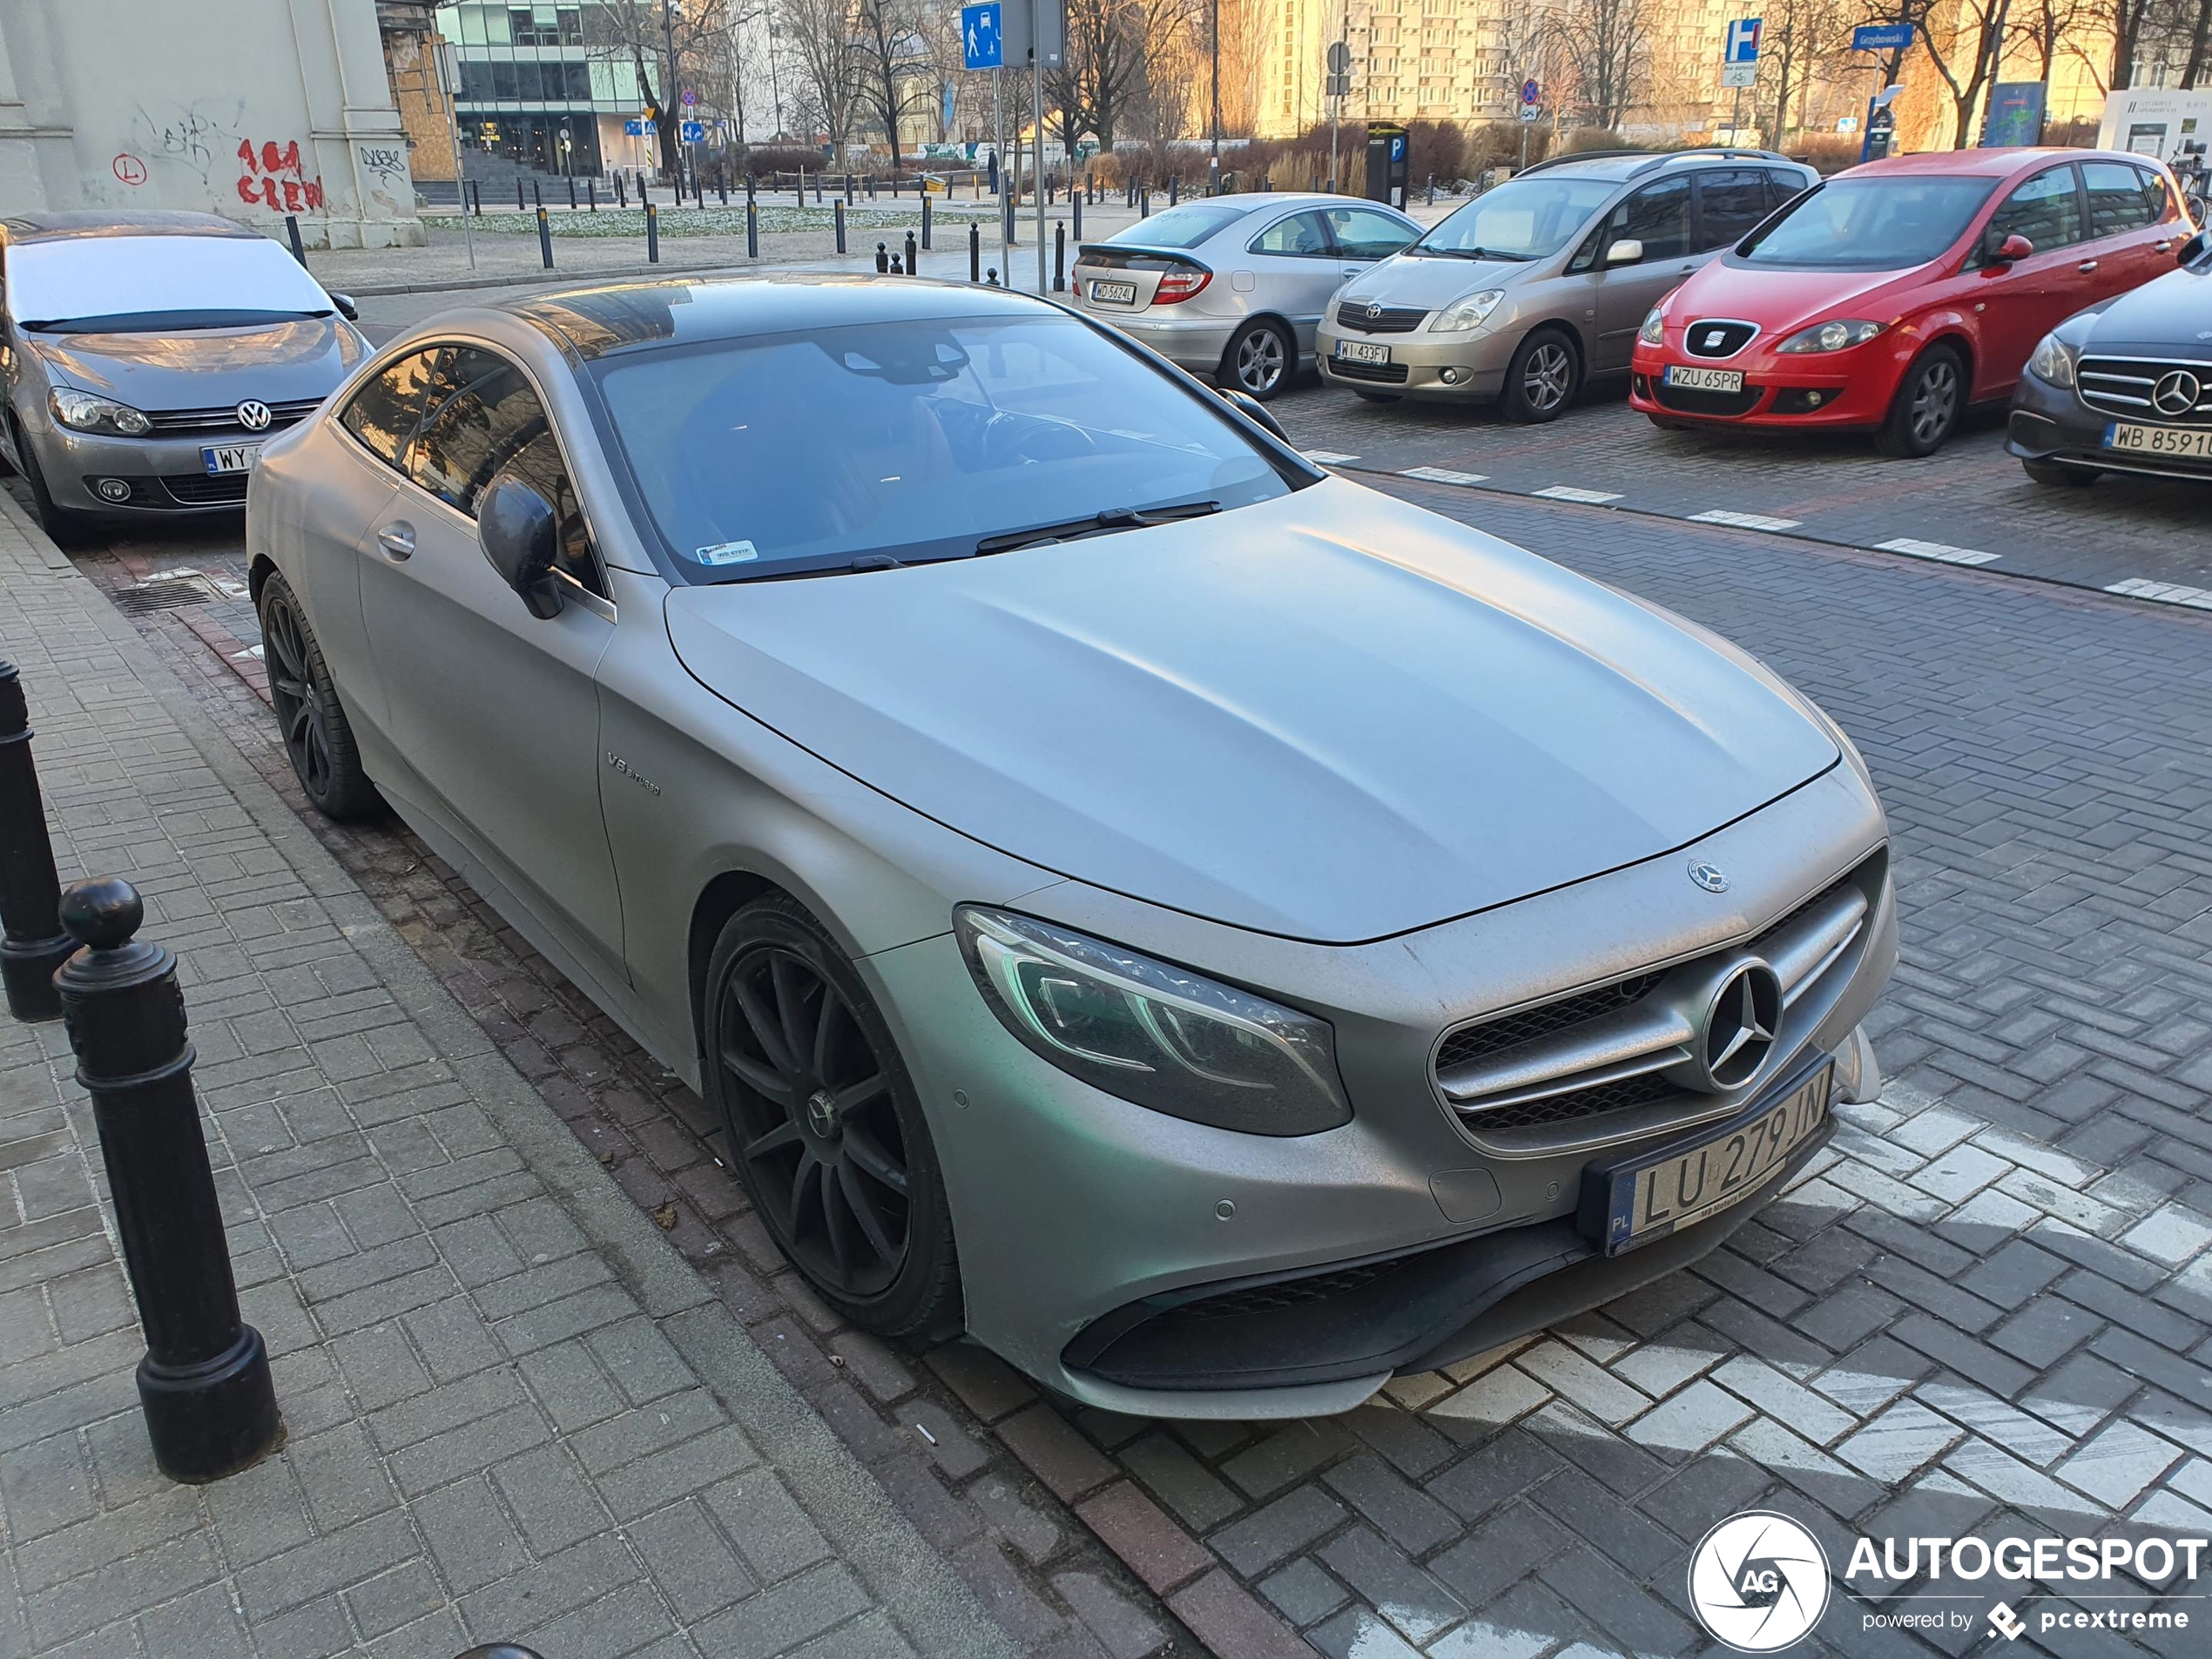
169 591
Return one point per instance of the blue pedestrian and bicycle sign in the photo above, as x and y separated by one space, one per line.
982 44
1881 36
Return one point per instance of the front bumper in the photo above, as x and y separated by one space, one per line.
1418 362
164 475
1848 389
1080 1216
2049 423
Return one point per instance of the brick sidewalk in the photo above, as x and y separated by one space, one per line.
514 1410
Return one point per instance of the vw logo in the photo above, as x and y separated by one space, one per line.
1374 310
1709 876
2176 392
1740 1025
1760 1581
253 416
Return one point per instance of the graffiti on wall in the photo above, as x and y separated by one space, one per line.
271 177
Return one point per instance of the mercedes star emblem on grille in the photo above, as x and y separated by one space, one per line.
1709 876
253 416
2176 392
1739 1032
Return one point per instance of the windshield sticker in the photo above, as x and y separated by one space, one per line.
727 553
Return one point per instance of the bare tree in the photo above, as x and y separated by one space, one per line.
1800 37
670 36
1605 47
819 35
2125 21
891 71
2200 60
1975 27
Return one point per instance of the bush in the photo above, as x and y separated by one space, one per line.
780 158
1826 153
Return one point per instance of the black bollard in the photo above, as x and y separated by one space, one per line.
520 205
848 190
882 260
591 195
211 1409
544 240
925 217
749 192
912 269
622 192
1060 256
1076 204
1144 204
1175 188
292 234
837 212
643 200
722 187
572 193
653 229
30 891
993 274
753 230
817 186
974 251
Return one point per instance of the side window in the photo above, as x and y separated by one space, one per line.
1362 233
1730 201
1300 234
1783 186
2116 201
1657 216
2157 201
2045 209
384 413
485 420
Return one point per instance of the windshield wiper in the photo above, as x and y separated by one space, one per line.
1099 523
1473 253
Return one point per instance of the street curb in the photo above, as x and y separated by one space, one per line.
864 1527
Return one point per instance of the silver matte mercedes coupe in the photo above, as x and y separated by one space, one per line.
1215 933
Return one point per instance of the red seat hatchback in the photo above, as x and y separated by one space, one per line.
1893 296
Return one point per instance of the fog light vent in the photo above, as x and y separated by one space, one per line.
112 488
1450 377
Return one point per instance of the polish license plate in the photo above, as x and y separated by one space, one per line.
1705 380
1113 293
230 457
1642 1200
1352 351
2193 444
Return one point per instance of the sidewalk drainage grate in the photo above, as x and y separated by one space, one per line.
169 591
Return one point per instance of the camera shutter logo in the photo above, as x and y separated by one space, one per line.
1758 1582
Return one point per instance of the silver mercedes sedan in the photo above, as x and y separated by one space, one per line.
1214 933
144 357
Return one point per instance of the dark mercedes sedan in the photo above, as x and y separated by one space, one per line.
2126 386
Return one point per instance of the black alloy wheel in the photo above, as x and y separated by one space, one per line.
317 738
823 1124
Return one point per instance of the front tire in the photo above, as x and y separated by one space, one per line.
64 527
1540 381
826 1133
317 736
2059 477
1926 410
1259 358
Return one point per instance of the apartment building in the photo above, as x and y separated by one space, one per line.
1410 60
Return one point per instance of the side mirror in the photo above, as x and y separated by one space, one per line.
2196 248
2010 250
1627 251
1246 404
346 309
520 534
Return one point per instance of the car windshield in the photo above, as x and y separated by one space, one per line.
1875 223
1522 219
1183 227
794 454
157 283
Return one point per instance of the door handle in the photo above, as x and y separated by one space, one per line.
2086 267
2166 246
397 539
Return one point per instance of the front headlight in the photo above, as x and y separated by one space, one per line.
2053 362
1654 332
1839 335
1159 1035
1471 313
86 413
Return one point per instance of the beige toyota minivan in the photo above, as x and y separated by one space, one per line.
1541 283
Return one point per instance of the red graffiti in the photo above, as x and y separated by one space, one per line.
272 177
129 169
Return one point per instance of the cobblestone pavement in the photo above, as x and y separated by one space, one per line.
512 1410
1970 502
1989 1307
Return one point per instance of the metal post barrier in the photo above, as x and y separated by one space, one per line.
753 230
210 1406
1006 219
838 208
991 277
751 196
571 192
1090 185
1432 190
848 190
591 194
882 260
652 230
544 240
1175 188
292 235
1144 204
30 891
722 186
925 217
974 251
913 266
520 205
1060 256
801 194
622 192
1075 203
818 187
643 200
871 186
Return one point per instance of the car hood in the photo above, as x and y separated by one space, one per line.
2166 317
1430 282
1331 717
1782 301
275 362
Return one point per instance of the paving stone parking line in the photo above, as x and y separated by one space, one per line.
1986 1310
513 1411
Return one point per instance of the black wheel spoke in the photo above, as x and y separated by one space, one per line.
791 1006
872 1160
862 1203
785 1134
833 1204
758 1075
825 1031
768 1031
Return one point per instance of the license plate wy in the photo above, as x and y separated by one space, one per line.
1353 352
1114 293
220 458
1705 380
1636 1202
2193 444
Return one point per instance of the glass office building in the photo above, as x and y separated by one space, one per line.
532 92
